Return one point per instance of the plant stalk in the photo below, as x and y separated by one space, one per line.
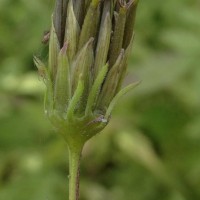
74 172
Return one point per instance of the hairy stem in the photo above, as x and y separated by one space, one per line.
74 171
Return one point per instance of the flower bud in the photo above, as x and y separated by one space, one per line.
90 41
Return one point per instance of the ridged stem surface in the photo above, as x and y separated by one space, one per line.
74 172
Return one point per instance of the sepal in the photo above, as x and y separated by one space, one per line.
62 89
54 48
72 31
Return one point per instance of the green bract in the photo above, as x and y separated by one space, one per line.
89 43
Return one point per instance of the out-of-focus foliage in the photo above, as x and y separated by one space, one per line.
151 149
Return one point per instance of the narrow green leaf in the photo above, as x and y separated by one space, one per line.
95 90
103 45
117 38
124 64
82 65
48 99
54 48
75 99
107 7
90 23
62 90
130 22
118 96
57 18
79 11
42 70
71 32
110 84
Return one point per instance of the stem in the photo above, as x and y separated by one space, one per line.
74 171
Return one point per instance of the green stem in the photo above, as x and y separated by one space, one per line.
74 171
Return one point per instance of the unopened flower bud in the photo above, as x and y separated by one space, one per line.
89 44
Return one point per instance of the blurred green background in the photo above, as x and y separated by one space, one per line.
151 148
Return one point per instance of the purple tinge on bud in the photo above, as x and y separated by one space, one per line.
59 19
86 36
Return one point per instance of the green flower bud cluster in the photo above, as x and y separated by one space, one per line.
89 43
